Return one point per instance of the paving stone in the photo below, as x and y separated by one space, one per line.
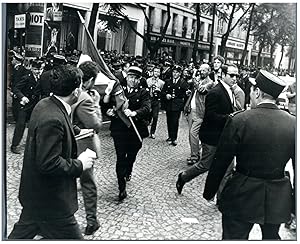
153 209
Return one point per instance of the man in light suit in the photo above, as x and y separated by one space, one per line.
86 114
219 103
263 141
48 191
194 109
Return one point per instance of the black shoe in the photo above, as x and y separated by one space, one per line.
122 195
179 184
91 229
169 139
152 136
15 149
128 177
174 143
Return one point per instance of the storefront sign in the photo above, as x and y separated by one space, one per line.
235 45
165 40
34 32
20 21
185 43
36 19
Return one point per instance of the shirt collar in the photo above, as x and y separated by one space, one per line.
227 87
66 105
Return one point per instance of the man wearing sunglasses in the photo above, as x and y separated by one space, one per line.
219 103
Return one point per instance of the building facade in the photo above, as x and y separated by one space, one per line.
180 35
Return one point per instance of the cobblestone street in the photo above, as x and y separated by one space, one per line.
153 210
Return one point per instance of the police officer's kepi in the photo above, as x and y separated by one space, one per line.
59 59
37 64
268 83
177 68
134 70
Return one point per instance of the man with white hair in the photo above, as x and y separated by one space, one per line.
194 110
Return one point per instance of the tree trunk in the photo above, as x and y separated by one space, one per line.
282 51
212 33
195 48
226 34
93 19
261 46
290 58
271 53
248 35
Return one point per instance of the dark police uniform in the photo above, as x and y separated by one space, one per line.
263 141
17 74
29 87
126 142
175 105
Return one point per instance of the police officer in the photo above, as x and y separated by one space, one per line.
18 71
126 142
27 92
174 95
263 141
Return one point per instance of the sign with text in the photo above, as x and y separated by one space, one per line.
34 34
20 21
235 45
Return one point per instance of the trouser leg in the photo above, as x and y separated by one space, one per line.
208 153
270 231
169 124
155 111
132 150
89 192
122 163
194 138
66 228
234 229
24 229
175 115
19 128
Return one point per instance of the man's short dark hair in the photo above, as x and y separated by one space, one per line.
220 58
225 67
90 69
65 79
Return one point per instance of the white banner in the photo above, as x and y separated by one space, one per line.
20 21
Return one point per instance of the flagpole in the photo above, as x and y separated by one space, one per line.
89 35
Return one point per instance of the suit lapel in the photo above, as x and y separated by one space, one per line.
227 95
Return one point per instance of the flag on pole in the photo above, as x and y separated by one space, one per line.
117 93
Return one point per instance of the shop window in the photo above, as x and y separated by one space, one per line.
184 28
174 24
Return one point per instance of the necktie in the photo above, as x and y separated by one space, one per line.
233 98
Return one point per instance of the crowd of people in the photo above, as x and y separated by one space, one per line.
234 126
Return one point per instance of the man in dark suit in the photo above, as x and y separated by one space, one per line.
48 191
27 92
174 95
219 103
263 141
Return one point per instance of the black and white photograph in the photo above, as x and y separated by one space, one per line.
149 121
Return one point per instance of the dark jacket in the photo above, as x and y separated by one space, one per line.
48 178
178 90
263 141
217 108
139 101
29 88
